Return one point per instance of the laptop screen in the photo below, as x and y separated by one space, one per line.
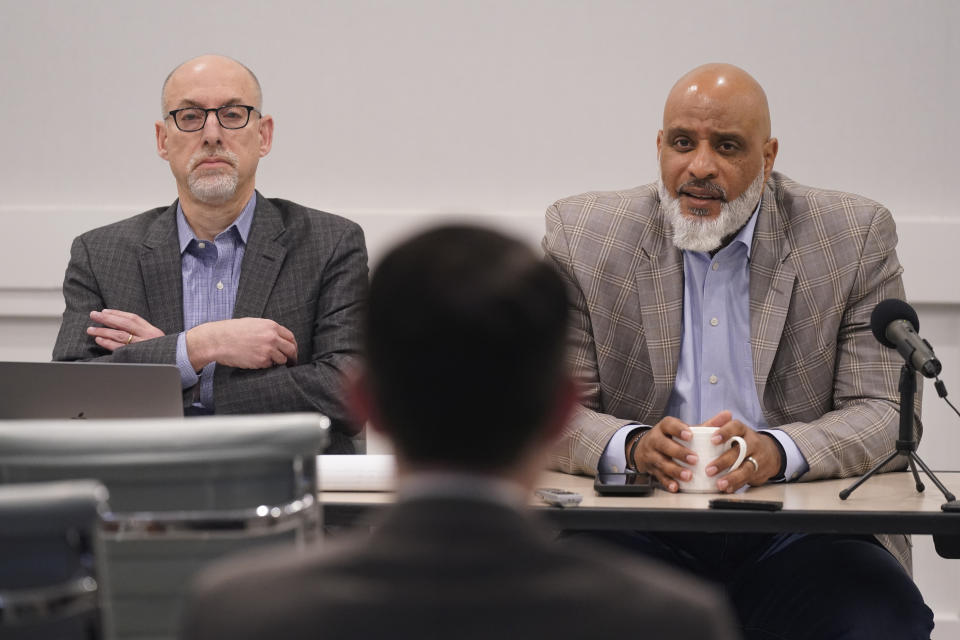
83 390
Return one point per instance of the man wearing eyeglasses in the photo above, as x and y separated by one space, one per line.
256 300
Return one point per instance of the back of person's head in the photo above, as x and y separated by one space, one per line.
465 332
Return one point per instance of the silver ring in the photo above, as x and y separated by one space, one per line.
753 461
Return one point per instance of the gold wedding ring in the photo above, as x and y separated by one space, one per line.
130 339
753 461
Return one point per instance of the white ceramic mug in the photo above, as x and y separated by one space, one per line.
707 452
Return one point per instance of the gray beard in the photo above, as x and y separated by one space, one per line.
692 233
213 189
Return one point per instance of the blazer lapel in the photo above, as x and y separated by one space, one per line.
659 279
262 260
162 274
771 287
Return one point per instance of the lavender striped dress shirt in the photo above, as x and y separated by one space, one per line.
211 275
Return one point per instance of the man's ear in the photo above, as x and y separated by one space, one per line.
266 135
770 148
361 404
161 131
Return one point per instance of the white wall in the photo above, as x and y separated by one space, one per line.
399 113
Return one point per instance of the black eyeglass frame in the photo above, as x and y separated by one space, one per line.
216 110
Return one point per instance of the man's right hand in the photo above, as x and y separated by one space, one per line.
657 449
245 343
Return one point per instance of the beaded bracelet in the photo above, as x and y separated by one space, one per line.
633 450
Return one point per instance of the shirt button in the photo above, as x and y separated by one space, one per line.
714 322
202 245
714 379
219 286
715 266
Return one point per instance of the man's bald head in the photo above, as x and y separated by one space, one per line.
215 165
727 83
206 63
715 153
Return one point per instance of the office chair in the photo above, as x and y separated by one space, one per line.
50 581
183 492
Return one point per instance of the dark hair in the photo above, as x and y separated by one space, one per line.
465 332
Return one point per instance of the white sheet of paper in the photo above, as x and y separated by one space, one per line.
356 473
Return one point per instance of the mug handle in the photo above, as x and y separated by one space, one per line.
742 445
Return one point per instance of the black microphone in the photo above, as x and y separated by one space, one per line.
895 324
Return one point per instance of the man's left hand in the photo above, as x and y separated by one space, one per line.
759 447
120 328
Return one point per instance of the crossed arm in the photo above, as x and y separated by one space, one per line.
245 343
249 349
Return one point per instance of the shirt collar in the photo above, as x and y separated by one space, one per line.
241 224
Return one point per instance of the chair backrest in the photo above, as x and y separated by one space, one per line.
50 578
183 492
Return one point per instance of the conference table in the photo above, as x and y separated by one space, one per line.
887 503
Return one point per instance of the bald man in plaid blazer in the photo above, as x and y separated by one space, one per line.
818 262
822 261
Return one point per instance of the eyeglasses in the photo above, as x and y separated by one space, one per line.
231 116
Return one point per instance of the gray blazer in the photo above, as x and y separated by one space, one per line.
303 268
452 568
821 261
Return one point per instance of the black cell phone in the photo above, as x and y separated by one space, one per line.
623 484
748 505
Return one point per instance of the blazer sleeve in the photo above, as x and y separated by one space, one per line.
863 425
316 382
588 431
82 294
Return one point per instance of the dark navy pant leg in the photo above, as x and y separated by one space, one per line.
824 587
791 587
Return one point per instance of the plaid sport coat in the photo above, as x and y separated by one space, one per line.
821 261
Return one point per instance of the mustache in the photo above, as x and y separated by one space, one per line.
704 185
223 155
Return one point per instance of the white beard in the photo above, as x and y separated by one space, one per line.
692 233
213 186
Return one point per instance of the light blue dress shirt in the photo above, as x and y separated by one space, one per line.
715 371
211 275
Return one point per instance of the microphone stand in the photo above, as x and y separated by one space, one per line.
906 445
